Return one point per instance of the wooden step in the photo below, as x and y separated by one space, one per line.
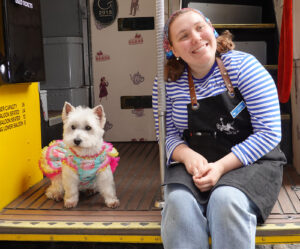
271 67
33 217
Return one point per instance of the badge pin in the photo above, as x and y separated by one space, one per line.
237 110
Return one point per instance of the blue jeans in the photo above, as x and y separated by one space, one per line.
229 217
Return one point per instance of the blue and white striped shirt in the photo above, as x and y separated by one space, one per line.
255 85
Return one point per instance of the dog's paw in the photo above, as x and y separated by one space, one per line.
112 203
54 195
70 203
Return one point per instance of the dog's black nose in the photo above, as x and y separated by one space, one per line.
77 141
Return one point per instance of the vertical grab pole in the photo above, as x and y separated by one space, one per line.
159 27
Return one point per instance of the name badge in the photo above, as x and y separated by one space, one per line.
237 110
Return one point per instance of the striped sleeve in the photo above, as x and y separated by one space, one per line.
173 134
260 94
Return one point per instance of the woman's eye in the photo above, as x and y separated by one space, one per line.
88 128
73 127
183 37
199 28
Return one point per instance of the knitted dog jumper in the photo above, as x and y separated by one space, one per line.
87 167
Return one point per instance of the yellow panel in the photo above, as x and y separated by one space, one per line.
82 238
285 239
20 139
126 238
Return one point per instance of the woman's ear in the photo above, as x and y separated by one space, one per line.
174 51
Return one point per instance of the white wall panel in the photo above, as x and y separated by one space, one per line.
124 61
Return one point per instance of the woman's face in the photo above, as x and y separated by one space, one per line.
193 39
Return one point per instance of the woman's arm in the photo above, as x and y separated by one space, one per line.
260 94
173 135
194 162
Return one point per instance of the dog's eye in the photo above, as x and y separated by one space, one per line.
88 128
73 127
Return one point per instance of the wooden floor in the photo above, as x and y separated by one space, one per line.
138 187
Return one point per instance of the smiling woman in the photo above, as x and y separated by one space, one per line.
223 127
194 41
201 27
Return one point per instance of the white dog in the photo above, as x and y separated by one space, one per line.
82 160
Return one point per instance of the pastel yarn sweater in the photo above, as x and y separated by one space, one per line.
58 154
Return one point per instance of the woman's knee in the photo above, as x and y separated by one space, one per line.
231 216
181 205
176 193
226 201
178 198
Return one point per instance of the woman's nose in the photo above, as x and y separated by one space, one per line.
196 36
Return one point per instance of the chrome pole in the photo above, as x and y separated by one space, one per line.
159 27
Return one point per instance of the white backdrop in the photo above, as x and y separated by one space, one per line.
128 64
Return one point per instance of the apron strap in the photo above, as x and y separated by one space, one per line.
225 76
194 102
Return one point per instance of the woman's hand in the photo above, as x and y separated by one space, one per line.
195 163
214 171
209 178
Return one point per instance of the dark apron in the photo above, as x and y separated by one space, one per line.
213 130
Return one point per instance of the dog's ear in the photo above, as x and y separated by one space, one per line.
66 110
99 111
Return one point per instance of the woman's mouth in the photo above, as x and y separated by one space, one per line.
198 49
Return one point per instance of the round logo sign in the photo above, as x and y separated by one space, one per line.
105 11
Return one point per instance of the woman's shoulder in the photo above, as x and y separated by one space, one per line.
236 58
236 55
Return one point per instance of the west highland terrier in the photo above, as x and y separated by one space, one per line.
82 161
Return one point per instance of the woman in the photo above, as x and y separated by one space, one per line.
224 168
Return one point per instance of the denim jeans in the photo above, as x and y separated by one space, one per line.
229 218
